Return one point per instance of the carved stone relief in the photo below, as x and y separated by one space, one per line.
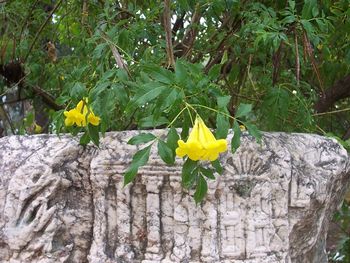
61 202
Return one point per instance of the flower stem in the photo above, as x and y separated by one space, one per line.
177 116
208 108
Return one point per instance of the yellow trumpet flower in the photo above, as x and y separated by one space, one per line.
201 144
80 114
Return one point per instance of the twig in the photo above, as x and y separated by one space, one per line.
85 12
126 11
276 60
47 98
118 58
26 19
330 112
167 27
309 52
297 61
3 115
13 101
3 52
211 39
191 32
41 29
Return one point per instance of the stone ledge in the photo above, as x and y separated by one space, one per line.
61 202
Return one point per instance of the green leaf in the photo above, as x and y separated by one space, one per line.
222 121
122 74
201 189
140 158
275 106
306 12
189 173
97 53
207 173
254 131
94 134
236 139
130 175
243 110
172 138
234 73
151 121
141 138
291 4
214 72
62 100
217 165
224 58
165 152
222 126
180 72
169 99
146 97
78 91
309 28
222 102
160 74
288 19
85 139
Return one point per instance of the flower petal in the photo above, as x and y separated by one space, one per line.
80 106
94 120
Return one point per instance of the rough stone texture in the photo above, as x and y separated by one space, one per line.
61 202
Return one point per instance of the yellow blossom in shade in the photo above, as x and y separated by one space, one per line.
80 114
201 144
242 127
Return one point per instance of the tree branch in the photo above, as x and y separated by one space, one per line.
41 29
191 32
340 90
179 23
276 61
346 135
47 98
167 27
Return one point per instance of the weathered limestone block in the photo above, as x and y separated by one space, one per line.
61 202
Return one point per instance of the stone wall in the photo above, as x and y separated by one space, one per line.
61 202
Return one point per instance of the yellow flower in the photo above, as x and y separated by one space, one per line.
201 144
242 127
80 114
37 128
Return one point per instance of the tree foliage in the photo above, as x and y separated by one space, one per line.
272 65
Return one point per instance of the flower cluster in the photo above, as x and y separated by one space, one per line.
201 144
81 115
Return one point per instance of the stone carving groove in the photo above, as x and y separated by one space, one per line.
61 202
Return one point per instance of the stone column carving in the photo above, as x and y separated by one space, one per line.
154 252
61 202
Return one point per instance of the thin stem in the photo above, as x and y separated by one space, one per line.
318 127
331 112
189 113
177 116
214 110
